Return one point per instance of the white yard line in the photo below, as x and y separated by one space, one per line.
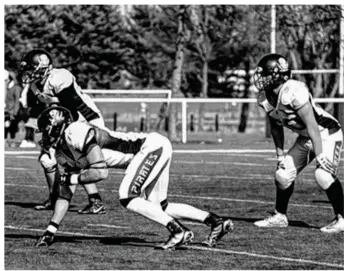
226 251
271 257
17 168
195 197
108 226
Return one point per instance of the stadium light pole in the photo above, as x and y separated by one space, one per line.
272 50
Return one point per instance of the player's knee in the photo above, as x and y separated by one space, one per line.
164 142
323 178
285 177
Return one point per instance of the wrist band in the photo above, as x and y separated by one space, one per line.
74 179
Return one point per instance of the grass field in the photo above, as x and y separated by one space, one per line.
234 178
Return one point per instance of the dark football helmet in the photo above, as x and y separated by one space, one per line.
52 123
35 66
272 70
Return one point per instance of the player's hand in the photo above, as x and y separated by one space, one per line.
324 163
65 179
280 164
45 241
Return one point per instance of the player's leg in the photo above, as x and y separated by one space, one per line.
95 205
49 165
140 178
298 156
330 183
157 192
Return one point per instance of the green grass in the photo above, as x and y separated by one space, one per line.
240 186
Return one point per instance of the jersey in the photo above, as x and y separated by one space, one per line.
292 96
62 84
72 152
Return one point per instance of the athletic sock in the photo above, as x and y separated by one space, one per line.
282 198
94 196
185 212
335 196
212 220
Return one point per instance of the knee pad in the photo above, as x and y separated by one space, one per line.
323 178
285 177
47 162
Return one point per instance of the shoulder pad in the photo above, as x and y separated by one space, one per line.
78 134
294 93
60 79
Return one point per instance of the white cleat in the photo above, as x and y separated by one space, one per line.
336 226
27 144
277 220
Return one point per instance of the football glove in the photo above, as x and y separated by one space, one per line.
324 163
45 241
280 164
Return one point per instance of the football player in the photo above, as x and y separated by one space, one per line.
86 152
289 104
52 85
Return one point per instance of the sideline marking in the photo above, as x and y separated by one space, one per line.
194 197
108 226
266 256
17 168
197 248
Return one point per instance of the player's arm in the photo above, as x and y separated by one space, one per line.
277 134
97 169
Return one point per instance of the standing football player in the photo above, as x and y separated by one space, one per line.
86 152
289 104
52 86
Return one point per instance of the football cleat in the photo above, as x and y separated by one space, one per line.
178 239
220 229
44 206
180 235
27 144
336 226
45 241
277 220
95 207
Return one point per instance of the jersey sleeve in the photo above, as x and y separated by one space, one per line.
60 80
78 135
295 95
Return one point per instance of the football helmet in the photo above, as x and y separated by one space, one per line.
52 123
35 65
272 70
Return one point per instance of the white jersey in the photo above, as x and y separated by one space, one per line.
118 148
292 96
62 84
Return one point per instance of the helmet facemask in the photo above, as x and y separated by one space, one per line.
271 72
35 66
52 123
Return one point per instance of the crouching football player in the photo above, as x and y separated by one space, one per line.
86 152
288 103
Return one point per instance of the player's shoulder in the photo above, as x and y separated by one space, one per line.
58 76
78 133
294 93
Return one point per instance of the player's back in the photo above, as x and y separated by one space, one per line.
73 151
62 84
